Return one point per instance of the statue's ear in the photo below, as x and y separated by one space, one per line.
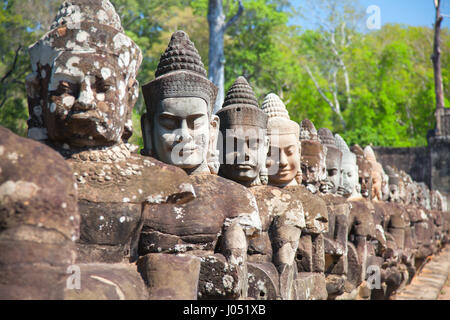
133 95
213 153
36 106
146 135
214 131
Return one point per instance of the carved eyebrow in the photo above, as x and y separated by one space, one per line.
168 114
195 115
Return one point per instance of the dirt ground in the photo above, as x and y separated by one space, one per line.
445 291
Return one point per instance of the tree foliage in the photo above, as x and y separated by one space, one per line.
381 80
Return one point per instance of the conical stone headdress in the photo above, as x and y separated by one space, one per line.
241 107
327 139
347 156
311 146
80 26
180 73
87 26
394 176
279 121
364 165
308 130
369 154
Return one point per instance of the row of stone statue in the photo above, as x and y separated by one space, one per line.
242 204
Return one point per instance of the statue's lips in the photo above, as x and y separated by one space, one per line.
284 172
244 166
85 115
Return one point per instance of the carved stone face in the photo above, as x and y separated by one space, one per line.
286 148
88 100
365 178
394 193
333 173
244 153
385 187
181 131
376 184
313 168
349 179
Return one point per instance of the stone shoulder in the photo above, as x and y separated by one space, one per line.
134 179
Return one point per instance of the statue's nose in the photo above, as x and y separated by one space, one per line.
86 99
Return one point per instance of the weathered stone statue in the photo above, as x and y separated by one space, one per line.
313 157
284 171
81 94
398 268
243 128
377 174
284 152
349 186
364 171
361 224
333 161
180 129
335 241
244 141
39 219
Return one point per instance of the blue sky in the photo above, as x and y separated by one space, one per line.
411 12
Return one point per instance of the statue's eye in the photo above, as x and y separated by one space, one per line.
253 144
195 121
290 151
102 86
168 122
68 88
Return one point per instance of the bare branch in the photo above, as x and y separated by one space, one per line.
10 71
236 16
319 89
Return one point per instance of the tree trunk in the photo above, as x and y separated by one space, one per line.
216 21
436 58
217 28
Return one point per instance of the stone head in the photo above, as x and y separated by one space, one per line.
438 202
395 184
423 196
376 172
333 161
411 190
283 161
83 86
179 127
406 189
349 186
244 141
313 158
364 171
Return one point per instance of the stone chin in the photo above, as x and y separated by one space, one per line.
88 132
238 172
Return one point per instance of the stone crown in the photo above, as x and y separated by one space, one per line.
274 107
347 156
241 107
180 73
279 122
75 11
308 130
180 54
369 154
326 137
